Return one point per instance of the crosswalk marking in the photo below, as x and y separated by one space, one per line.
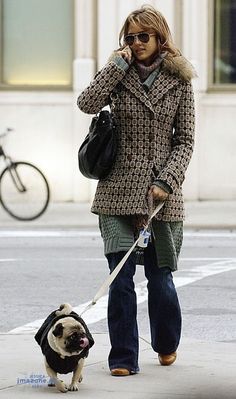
96 233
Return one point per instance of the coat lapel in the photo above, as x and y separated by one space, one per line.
163 83
132 82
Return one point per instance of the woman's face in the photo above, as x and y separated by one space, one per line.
143 52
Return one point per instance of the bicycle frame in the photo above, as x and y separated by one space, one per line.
16 179
2 153
12 169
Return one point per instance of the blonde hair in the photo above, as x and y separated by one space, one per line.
150 18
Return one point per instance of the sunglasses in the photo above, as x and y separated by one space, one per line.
143 37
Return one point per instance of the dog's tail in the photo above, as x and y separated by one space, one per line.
64 309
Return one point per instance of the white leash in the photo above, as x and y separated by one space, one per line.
102 290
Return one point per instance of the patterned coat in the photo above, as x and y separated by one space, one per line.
156 136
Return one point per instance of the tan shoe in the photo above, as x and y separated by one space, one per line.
120 372
167 360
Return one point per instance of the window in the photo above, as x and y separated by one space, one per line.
224 42
36 43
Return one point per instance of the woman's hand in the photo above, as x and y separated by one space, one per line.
125 53
157 193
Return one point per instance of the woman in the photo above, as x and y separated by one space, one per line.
154 110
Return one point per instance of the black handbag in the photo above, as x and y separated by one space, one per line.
98 151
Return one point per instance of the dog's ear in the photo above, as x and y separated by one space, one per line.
58 331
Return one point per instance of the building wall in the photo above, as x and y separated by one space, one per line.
49 126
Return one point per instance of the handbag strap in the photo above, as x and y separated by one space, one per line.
114 96
113 275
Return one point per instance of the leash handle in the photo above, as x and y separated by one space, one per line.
158 208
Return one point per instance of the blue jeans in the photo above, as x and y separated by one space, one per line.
163 307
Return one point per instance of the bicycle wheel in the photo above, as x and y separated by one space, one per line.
24 191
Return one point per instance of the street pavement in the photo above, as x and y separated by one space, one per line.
199 214
204 369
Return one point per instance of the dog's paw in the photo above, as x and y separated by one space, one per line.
61 386
74 386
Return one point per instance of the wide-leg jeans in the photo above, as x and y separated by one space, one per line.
163 306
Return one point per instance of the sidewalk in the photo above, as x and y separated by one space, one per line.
202 371
199 214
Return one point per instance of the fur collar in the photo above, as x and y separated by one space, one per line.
179 66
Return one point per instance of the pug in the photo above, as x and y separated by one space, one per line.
65 341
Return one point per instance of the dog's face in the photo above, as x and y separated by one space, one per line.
69 336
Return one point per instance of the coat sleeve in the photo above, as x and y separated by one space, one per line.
97 94
182 142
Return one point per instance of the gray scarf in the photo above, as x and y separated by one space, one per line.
144 71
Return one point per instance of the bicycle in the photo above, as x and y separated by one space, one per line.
24 190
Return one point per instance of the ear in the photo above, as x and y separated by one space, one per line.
58 330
